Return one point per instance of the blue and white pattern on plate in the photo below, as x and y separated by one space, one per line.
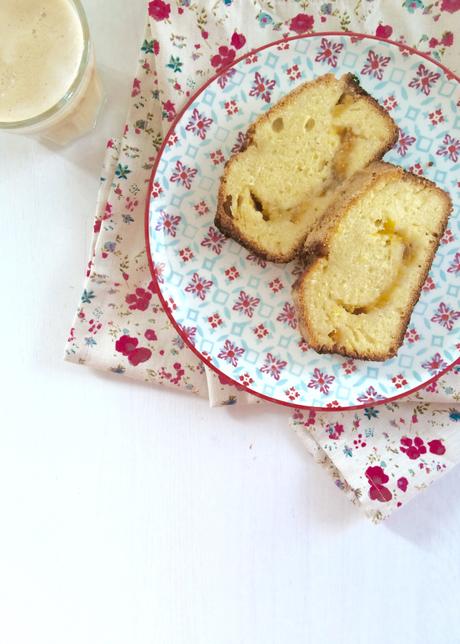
237 309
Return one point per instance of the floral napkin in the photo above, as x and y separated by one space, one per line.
380 456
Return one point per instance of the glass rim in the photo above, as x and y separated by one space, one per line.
76 83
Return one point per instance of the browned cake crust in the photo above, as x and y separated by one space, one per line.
317 246
224 218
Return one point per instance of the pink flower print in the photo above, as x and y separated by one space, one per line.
334 430
413 448
370 395
303 345
224 58
448 236
436 447
455 265
276 285
302 22
375 65
215 320
183 175
384 31
404 143
349 366
399 381
198 124
424 79
445 316
231 107
214 240
328 52
190 333
127 346
429 285
139 300
321 381
435 365
412 335
260 331
199 286
251 58
358 442
273 366
246 304
169 112
201 208
94 326
168 223
436 117
416 169
450 148
402 483
246 380
240 143
262 87
390 103
217 157
150 335
159 10
230 353
224 78
376 478
232 273
292 393
258 261
186 254
158 271
136 87
293 72
333 404
237 40
172 139
451 6
288 316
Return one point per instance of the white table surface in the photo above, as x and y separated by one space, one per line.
135 515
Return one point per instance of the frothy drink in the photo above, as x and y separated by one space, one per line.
42 44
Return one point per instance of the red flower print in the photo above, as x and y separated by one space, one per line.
450 148
262 87
276 285
128 347
214 240
333 404
436 117
240 143
402 483
294 72
190 333
224 78
260 331
217 157
230 353
429 284
292 393
232 273
390 103
424 79
435 365
94 326
328 52
150 335
288 316
246 304
172 139
238 40
303 345
369 396
256 260
198 124
334 430
349 366
136 87
139 355
404 143
183 175
199 286
399 381
448 236
455 265
375 65
412 335
445 316
413 448
384 31
358 442
201 208
376 478
139 300
215 320
273 366
159 10
224 58
169 112
301 22
451 6
186 254
246 380
436 447
321 381
416 169
168 223
231 107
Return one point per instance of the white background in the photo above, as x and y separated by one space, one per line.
135 515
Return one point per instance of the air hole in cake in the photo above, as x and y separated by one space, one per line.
309 124
239 201
278 125
258 206
334 335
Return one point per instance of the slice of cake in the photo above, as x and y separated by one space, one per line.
367 261
273 192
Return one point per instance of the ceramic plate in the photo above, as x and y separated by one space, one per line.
234 309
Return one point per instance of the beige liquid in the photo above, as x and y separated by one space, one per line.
41 47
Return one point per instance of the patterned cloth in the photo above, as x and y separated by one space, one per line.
381 456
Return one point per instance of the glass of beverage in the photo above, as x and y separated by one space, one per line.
48 81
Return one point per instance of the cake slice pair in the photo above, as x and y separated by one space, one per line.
309 182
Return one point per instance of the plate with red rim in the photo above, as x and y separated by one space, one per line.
235 310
